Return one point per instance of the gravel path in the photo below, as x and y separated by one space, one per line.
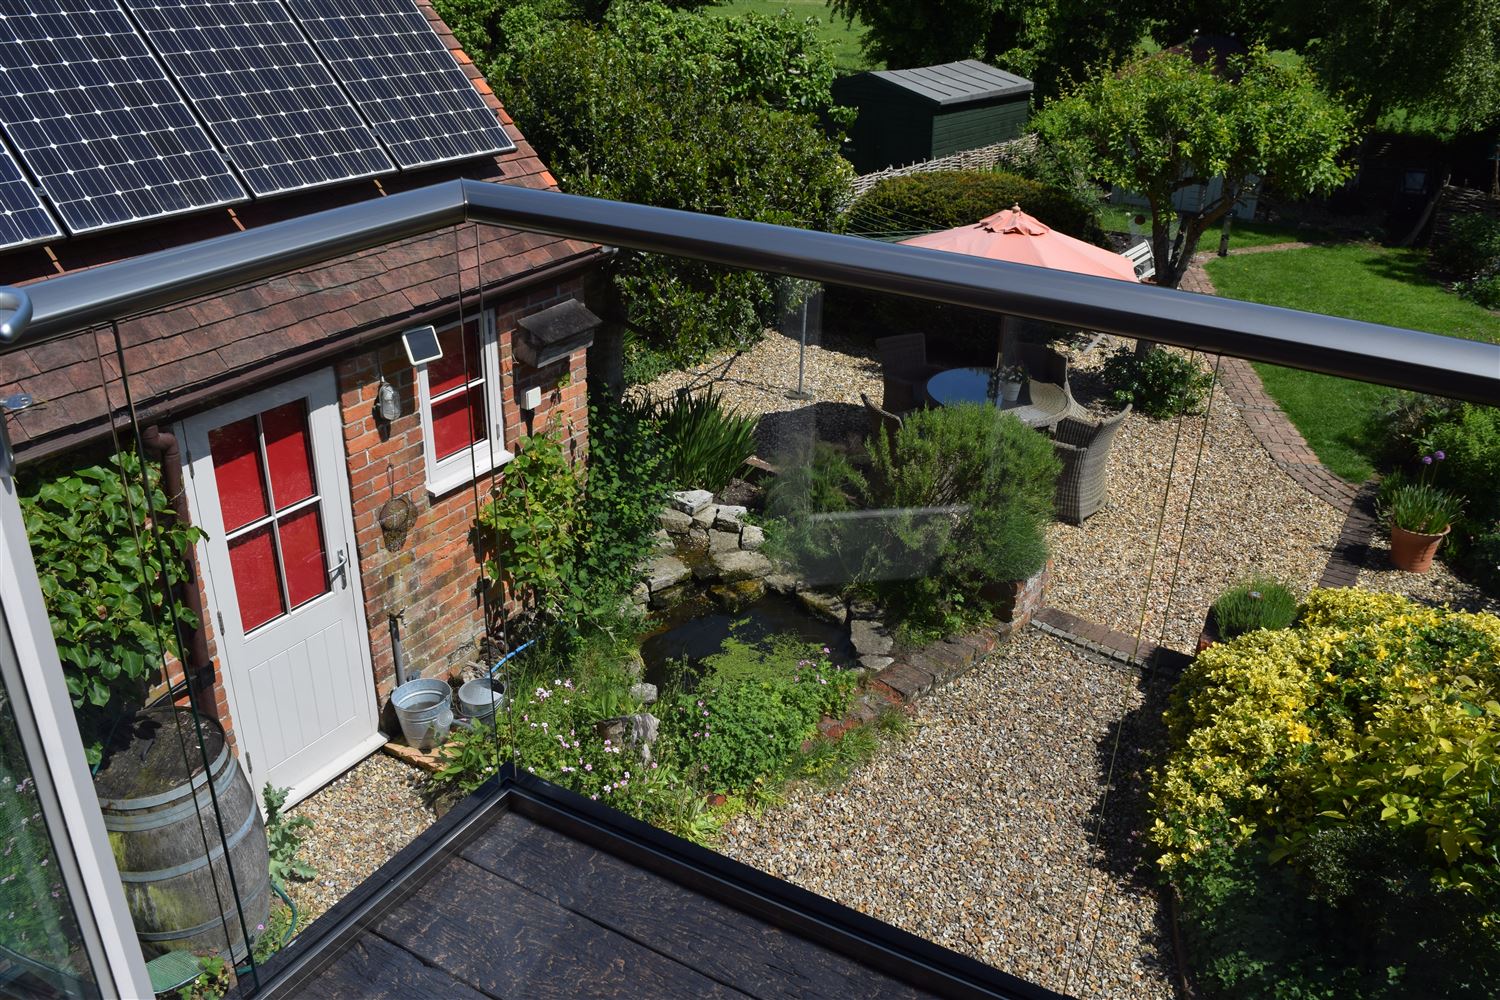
1247 516
978 833
1437 586
359 822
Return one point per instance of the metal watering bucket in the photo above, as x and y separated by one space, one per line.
425 709
479 699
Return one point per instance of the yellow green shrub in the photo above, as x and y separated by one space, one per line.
1371 710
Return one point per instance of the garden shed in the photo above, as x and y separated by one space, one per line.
911 115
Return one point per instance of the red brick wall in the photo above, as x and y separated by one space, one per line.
433 576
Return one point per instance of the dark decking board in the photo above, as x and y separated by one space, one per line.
526 890
730 946
510 943
375 969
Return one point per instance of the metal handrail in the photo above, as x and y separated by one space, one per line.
1368 352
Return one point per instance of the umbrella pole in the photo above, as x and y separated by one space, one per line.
799 392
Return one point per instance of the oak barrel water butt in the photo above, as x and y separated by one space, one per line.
160 815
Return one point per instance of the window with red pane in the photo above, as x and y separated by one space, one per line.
272 512
460 403
455 389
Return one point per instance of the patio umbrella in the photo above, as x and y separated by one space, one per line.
1014 236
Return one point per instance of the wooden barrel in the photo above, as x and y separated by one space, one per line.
158 810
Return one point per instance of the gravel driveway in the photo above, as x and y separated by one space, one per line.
979 832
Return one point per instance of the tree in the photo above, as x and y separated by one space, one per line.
680 110
1048 41
1164 123
1435 59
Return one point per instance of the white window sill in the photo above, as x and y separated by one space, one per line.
463 473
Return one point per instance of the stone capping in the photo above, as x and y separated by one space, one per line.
1118 646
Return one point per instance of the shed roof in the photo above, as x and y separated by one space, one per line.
178 358
957 82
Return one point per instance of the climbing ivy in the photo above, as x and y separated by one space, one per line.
91 530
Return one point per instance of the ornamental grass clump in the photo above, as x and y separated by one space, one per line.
1260 602
1327 808
1420 507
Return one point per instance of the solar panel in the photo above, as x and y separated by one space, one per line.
92 114
23 219
403 79
263 92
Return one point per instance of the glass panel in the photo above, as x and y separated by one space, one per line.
257 585
450 372
41 950
287 453
236 454
302 555
449 434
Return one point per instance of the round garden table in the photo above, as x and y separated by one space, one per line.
978 385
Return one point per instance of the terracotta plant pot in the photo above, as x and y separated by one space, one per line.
1210 633
1413 552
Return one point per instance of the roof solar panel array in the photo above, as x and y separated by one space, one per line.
92 114
263 92
403 79
120 111
23 219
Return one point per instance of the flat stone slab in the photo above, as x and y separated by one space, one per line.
752 538
782 583
643 693
705 518
729 517
722 541
870 638
736 565
875 664
692 501
824 606
664 572
675 521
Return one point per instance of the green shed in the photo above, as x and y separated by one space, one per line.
911 115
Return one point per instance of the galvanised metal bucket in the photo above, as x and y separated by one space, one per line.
425 709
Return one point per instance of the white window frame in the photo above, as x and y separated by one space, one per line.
487 454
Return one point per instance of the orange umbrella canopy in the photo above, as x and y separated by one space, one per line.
1014 236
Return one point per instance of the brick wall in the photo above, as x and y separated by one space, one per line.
433 575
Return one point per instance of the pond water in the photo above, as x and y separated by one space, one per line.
697 629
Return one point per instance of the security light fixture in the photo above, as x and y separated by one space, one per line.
387 403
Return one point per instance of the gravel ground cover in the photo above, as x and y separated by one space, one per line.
979 832
359 822
1437 586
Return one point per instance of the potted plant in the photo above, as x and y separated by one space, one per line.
1259 602
1421 515
1008 381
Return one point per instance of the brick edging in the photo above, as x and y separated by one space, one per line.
1352 550
1119 646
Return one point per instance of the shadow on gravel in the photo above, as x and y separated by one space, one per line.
1120 839
785 436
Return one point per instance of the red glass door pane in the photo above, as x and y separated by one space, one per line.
237 472
287 453
302 555
257 582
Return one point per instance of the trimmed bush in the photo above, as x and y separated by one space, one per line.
945 199
1326 808
1260 602
1161 384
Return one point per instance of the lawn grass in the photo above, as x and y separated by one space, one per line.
845 37
1116 218
1356 281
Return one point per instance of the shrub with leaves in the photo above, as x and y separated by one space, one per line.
284 837
1161 383
1471 254
1373 721
105 580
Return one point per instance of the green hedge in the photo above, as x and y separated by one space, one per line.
949 198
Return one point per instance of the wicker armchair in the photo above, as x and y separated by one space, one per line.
904 370
1050 397
1083 446
880 418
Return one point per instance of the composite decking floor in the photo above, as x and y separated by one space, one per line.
524 911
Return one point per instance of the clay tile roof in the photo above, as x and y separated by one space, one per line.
176 356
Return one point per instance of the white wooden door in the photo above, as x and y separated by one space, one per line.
267 484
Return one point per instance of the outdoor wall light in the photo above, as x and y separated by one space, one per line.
387 403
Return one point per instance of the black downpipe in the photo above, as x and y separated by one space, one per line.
197 664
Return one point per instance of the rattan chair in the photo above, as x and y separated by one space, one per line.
1050 398
1083 446
880 418
904 370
